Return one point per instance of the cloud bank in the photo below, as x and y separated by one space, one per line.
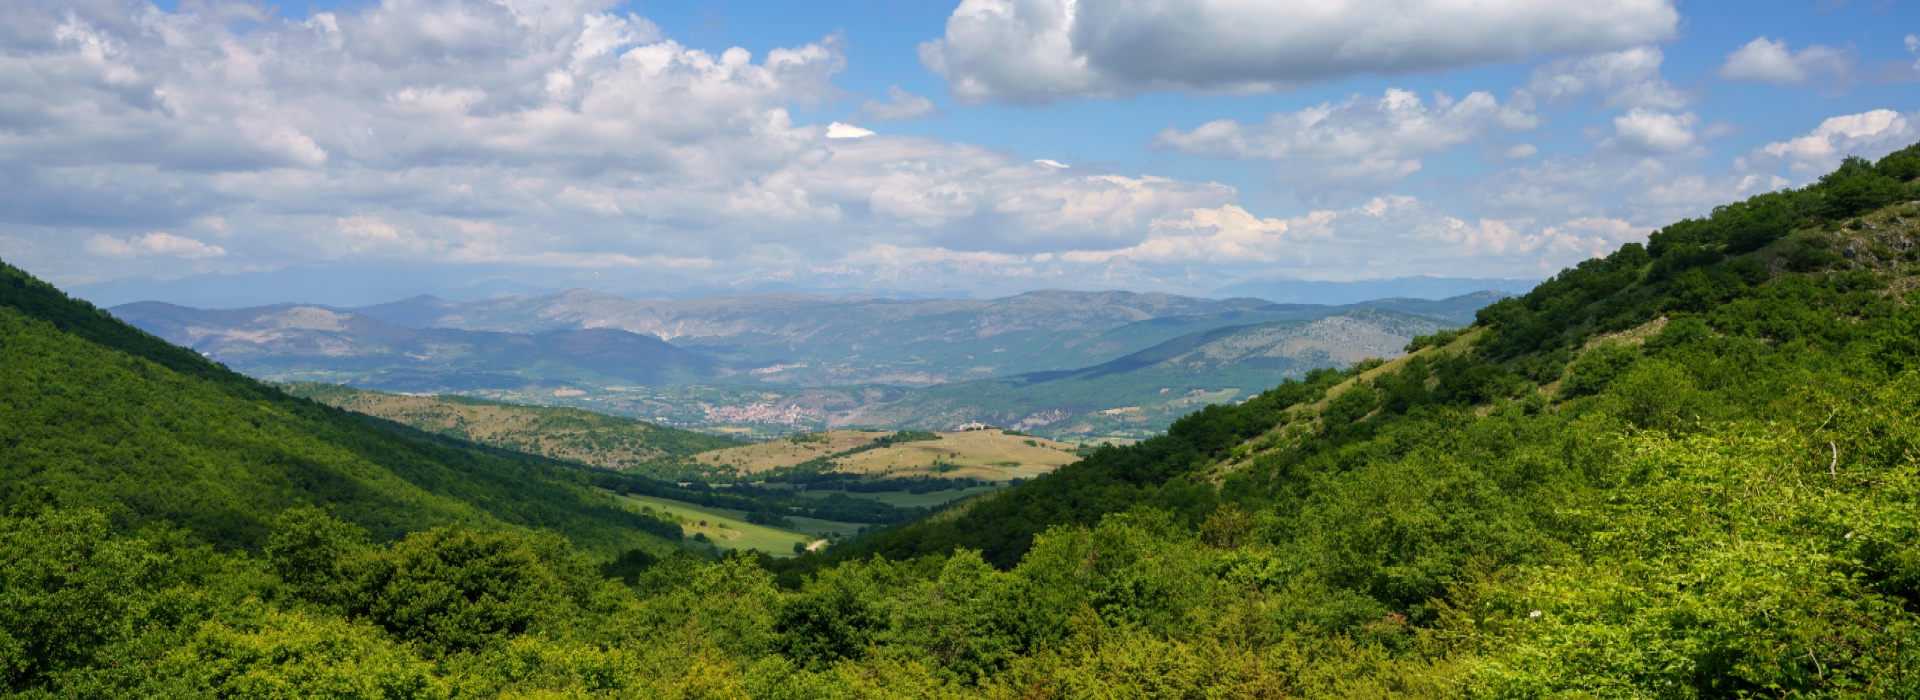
565 135
1770 61
1359 144
1043 50
487 132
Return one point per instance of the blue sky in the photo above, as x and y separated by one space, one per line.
1182 147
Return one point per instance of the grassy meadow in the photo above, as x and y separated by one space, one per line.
991 455
729 529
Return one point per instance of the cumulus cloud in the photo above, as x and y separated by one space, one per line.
1628 78
1650 171
1226 233
900 106
1383 237
1649 131
1361 142
1771 61
1522 151
1041 50
551 133
565 134
1867 134
1650 182
838 130
155 244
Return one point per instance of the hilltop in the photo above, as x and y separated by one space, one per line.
561 433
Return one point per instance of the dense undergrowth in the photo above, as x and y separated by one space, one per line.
1689 469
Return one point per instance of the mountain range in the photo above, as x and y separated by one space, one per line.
1141 393
318 344
797 360
373 283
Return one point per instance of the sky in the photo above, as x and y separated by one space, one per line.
983 147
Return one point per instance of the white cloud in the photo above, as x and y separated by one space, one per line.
1363 142
1770 61
1644 183
155 244
1651 172
885 254
1625 79
1867 134
1649 131
838 130
1226 233
923 205
563 134
589 199
900 106
367 234
1383 237
1041 50
1913 47
1521 152
573 133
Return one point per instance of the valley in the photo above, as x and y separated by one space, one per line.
1115 366
1685 469
906 473
963 350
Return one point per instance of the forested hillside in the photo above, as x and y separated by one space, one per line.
95 413
572 434
1689 469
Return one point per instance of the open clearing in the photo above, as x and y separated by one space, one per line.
822 528
774 454
904 499
729 529
991 455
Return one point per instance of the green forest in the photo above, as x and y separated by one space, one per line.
1689 469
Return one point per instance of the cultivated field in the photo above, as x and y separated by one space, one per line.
991 455
729 529
905 499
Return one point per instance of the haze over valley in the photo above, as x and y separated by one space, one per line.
1113 365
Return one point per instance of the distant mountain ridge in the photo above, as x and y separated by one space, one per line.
310 342
818 339
360 286
1143 392
773 363
1285 291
